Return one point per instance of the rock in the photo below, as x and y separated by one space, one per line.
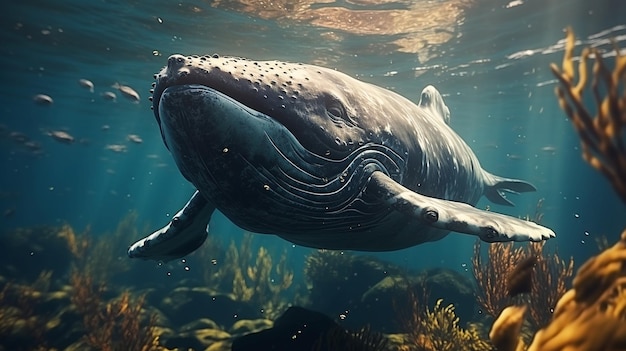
185 341
184 305
338 279
452 287
27 252
225 345
439 283
64 328
195 339
209 336
296 329
248 326
202 323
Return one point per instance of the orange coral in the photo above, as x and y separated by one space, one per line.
592 315
491 276
549 279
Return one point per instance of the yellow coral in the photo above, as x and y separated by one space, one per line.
441 327
602 135
591 316
506 329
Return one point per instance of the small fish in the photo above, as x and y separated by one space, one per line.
519 280
33 146
61 136
109 95
116 147
43 99
134 138
18 137
8 212
128 92
87 84
514 156
549 149
105 127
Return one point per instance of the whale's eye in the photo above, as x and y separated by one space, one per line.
335 111
334 108
491 232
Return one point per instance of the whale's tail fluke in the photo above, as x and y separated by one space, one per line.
497 187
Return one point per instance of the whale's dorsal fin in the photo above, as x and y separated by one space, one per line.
432 99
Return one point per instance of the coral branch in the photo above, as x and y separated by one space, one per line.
602 135
550 277
491 276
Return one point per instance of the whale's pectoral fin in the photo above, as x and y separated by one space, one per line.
496 187
182 235
455 216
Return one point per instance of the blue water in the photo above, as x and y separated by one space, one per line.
490 60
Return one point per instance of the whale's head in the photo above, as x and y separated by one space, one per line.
316 105
310 125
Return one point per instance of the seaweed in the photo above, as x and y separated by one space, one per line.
22 320
601 134
114 325
592 314
252 276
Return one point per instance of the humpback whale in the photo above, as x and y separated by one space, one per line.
320 159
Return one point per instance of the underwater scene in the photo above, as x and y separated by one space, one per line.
243 175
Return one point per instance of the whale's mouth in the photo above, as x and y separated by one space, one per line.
205 116
192 98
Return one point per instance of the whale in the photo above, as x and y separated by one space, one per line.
320 159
